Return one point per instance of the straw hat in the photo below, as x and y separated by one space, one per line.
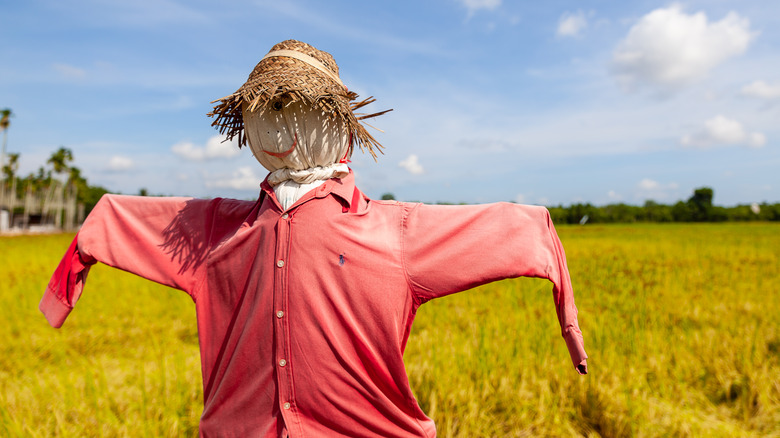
293 70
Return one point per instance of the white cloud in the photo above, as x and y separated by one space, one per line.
474 5
614 196
762 90
648 184
119 163
756 140
215 147
243 178
520 198
720 130
651 189
412 165
669 48
69 71
571 24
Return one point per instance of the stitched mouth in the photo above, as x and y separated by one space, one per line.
284 153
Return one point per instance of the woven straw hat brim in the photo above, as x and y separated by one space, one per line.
290 79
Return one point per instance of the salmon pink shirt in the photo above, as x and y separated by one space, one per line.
303 315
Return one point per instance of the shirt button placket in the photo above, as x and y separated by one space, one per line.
282 328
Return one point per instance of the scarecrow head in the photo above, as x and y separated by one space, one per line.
294 111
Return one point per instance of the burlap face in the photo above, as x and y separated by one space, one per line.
295 135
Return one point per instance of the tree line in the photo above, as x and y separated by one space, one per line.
698 208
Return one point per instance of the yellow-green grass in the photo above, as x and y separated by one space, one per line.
682 323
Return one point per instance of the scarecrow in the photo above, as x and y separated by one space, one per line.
305 298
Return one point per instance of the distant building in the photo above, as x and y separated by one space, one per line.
50 209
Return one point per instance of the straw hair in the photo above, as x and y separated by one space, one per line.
311 77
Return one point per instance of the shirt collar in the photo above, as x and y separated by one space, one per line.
341 187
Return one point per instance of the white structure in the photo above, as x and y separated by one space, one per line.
52 209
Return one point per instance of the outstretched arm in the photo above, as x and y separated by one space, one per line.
162 239
449 249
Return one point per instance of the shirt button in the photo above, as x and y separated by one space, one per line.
279 314
282 363
286 405
285 216
280 263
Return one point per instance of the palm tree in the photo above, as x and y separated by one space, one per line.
59 160
9 170
5 122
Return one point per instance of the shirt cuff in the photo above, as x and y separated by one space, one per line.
53 308
576 347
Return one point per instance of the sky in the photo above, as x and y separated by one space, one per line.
547 103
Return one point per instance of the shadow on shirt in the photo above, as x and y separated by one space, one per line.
187 236
203 224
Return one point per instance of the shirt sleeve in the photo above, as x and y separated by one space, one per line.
449 249
161 239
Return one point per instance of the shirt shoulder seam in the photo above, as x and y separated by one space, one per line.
405 211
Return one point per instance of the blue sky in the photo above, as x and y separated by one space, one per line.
546 103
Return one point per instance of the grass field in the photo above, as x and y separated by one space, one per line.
682 324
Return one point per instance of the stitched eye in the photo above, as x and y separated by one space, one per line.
277 105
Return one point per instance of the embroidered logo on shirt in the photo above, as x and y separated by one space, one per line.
341 259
